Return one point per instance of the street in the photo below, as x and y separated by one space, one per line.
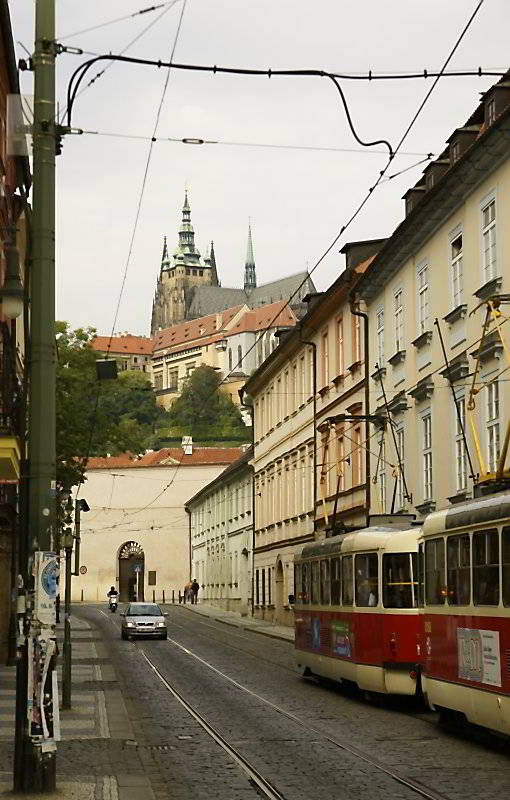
327 743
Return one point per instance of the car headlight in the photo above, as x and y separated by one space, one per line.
130 624
161 625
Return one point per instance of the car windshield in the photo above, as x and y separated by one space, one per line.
144 610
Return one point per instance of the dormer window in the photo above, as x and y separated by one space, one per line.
455 152
429 181
490 110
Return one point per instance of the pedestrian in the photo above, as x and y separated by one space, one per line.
188 590
195 586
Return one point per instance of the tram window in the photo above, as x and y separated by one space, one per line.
434 572
325 582
315 583
399 584
367 581
335 581
297 581
506 566
458 564
347 592
486 568
305 583
421 576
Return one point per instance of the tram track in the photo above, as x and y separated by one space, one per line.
263 785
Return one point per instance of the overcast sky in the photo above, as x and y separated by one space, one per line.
297 199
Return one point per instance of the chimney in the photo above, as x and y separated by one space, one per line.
187 445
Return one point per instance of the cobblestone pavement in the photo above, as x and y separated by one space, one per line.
301 763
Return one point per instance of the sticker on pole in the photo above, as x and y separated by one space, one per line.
83 570
46 577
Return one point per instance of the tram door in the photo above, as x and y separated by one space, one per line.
131 572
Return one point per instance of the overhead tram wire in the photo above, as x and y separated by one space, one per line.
78 75
100 25
135 226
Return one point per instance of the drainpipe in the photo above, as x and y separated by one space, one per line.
241 392
188 512
314 389
364 316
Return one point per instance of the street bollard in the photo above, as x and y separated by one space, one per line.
173 595
82 595
153 595
163 596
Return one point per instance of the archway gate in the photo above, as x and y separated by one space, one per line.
131 572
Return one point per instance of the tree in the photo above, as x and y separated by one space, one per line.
96 418
202 404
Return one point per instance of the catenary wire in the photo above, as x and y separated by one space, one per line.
100 25
78 75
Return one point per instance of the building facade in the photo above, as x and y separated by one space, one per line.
229 341
430 282
309 469
130 352
15 183
188 287
136 535
221 524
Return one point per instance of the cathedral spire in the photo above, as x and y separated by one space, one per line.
186 232
164 256
214 271
250 278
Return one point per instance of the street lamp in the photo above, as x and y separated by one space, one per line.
11 292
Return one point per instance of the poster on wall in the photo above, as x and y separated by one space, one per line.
46 577
479 656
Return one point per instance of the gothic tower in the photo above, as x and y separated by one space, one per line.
179 275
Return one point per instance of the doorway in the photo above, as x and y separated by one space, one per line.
279 587
131 572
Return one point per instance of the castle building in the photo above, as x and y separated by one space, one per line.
188 286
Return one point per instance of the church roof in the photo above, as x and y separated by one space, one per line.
282 289
212 299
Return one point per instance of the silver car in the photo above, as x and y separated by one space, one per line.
144 619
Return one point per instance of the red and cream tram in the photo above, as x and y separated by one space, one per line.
465 552
356 609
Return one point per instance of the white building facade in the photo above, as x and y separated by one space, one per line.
221 525
136 535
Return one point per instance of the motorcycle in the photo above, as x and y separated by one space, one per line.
113 603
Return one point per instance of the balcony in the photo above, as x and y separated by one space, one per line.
9 457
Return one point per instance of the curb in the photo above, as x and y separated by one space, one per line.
243 627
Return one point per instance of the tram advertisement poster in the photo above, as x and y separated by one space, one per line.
478 656
341 638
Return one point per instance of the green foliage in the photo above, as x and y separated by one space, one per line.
95 418
203 407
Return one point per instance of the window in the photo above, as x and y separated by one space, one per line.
304 587
357 473
340 346
458 563
257 587
189 369
263 587
399 321
491 111
325 587
401 498
493 445
423 300
421 576
486 568
456 268
173 376
347 589
427 456
340 461
460 446
434 572
315 583
301 389
335 579
239 356
269 584
286 393
455 152
367 580
324 359
158 380
380 337
505 548
489 241
400 583
230 359
356 339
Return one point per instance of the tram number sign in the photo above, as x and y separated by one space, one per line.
83 570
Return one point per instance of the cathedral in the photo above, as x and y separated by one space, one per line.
188 286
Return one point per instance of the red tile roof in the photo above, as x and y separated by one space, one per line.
274 314
168 456
131 345
194 329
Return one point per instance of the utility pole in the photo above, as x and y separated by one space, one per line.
38 728
67 648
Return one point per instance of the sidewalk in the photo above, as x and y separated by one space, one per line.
93 762
237 621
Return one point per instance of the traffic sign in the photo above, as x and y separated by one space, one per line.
138 568
83 570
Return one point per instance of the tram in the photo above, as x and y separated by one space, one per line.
465 553
356 609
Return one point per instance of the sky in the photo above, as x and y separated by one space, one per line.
296 198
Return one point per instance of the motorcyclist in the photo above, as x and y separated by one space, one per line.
112 595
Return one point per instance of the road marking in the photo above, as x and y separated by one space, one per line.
104 728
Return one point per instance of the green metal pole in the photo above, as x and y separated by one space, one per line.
66 650
40 767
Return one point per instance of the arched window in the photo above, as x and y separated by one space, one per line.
239 355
